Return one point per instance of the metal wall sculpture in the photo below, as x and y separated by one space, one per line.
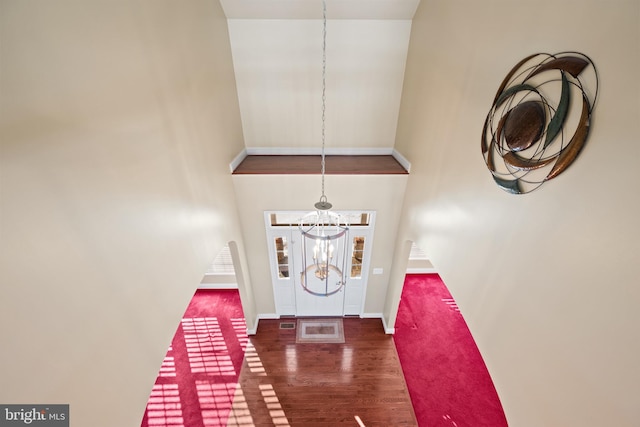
537 125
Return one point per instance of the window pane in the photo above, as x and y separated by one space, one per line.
356 258
282 257
280 219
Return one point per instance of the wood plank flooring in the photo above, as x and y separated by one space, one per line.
283 383
311 165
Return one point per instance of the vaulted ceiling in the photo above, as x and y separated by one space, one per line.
277 55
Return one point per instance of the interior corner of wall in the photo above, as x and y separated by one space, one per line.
389 330
402 160
237 160
252 326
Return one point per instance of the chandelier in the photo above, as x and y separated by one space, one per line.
324 233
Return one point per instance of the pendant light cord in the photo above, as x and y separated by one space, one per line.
324 87
323 205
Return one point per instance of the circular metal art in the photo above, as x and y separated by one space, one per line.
539 120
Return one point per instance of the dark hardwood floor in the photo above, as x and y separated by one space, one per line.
307 165
283 383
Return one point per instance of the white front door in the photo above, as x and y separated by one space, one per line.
308 303
285 253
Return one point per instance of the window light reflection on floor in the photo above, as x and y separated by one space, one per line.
253 360
205 364
273 404
206 346
291 357
240 328
168 367
163 408
215 402
240 415
452 304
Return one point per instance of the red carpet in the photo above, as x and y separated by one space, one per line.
447 379
198 377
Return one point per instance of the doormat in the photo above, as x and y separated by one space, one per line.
320 331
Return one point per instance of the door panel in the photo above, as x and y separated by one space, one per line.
308 304
285 254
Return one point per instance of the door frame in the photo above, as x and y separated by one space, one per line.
285 288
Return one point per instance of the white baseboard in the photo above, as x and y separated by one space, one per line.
387 329
380 316
401 159
237 160
218 286
421 270
311 151
253 331
371 315
268 316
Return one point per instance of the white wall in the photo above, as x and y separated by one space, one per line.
278 65
548 281
259 193
118 121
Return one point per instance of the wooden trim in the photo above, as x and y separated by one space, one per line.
311 165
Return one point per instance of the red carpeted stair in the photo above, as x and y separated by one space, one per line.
447 379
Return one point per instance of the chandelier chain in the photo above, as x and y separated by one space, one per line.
324 86
324 244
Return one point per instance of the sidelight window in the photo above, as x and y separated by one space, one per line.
282 257
356 257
